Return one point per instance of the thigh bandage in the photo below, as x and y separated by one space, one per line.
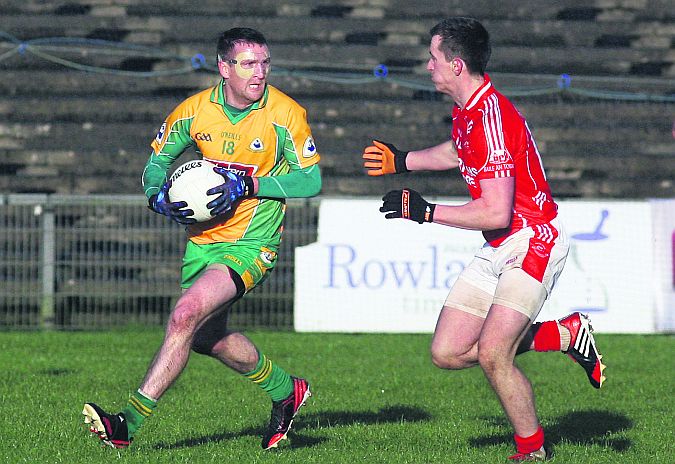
469 298
520 291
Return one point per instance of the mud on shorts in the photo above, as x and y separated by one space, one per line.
251 260
520 273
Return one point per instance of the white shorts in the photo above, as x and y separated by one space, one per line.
520 273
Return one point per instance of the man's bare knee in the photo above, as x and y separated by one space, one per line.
184 319
493 359
445 359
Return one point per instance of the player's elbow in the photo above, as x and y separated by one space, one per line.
503 221
316 187
315 182
498 219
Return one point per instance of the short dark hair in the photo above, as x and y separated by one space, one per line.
230 37
466 38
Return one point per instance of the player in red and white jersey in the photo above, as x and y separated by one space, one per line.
487 318
493 141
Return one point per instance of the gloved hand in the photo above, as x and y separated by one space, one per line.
160 203
234 188
384 158
407 204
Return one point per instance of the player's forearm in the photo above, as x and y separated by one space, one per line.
437 158
475 215
303 183
154 174
491 211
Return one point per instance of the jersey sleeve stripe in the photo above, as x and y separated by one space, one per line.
492 125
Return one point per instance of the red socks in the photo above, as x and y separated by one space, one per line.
530 444
547 336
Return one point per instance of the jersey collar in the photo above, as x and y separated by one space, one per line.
218 97
479 93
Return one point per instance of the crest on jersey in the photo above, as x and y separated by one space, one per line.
308 149
160 133
540 250
256 145
267 256
500 157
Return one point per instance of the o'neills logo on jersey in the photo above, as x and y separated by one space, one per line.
499 157
308 149
160 133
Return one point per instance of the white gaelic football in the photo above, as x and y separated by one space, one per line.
189 183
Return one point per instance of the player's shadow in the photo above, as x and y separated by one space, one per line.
583 428
397 413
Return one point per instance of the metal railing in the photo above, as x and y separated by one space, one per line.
96 261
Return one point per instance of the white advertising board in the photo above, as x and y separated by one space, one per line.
370 274
609 271
663 214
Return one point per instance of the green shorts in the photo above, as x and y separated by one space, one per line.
252 260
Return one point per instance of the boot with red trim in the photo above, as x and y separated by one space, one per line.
283 413
542 454
582 347
110 428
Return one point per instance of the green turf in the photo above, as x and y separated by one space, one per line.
377 399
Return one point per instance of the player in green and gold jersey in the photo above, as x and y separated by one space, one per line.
261 141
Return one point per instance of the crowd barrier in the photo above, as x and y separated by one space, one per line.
91 262
98 261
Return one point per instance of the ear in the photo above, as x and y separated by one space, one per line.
457 66
224 69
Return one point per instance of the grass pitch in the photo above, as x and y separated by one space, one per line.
377 399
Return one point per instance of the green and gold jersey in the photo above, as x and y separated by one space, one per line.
270 138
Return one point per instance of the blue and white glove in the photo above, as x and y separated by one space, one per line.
160 204
234 188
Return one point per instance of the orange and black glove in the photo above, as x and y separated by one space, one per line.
407 204
384 158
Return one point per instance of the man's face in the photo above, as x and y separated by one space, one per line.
245 70
442 74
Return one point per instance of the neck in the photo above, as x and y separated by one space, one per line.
232 101
469 87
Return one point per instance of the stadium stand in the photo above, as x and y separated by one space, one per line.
66 129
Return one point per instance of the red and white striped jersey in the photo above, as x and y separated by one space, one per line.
493 141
